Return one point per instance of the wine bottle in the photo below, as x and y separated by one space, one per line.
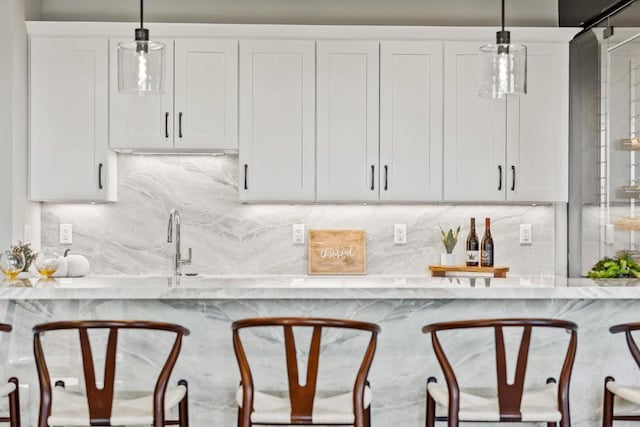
486 256
473 246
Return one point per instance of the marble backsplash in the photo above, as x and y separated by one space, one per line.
228 237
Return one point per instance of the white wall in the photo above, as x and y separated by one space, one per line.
15 210
390 12
6 138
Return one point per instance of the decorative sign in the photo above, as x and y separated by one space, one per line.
337 252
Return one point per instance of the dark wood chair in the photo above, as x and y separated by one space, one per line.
510 402
11 391
303 406
626 398
101 406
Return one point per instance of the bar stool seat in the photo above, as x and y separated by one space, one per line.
270 408
482 404
71 409
623 392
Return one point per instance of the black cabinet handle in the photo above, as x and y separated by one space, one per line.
166 125
513 178
373 177
246 170
386 177
500 178
179 125
100 175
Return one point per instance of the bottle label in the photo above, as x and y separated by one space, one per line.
487 258
473 257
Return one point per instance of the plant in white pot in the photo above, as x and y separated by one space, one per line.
449 240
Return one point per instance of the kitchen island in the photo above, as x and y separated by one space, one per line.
401 305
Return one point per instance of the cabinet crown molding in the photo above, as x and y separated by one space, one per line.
311 32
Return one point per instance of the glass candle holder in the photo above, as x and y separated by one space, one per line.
11 264
47 263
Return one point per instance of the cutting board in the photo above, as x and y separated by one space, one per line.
337 252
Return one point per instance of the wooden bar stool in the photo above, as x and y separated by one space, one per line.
101 406
624 397
511 402
11 391
303 406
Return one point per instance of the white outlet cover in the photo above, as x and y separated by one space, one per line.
298 234
526 237
66 234
400 234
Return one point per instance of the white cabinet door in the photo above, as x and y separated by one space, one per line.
206 94
277 121
141 122
348 98
537 128
411 121
69 155
474 130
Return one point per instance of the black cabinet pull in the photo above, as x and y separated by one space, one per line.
373 177
246 170
513 178
100 176
179 125
386 177
166 125
500 178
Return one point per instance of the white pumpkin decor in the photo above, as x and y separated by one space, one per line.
72 265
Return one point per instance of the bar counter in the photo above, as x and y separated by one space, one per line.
207 305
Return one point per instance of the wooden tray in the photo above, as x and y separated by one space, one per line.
442 270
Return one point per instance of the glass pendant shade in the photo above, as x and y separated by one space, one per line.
141 67
503 70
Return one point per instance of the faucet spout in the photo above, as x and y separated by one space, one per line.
174 215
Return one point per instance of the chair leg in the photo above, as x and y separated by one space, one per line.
243 420
431 406
607 410
183 408
552 424
14 404
367 416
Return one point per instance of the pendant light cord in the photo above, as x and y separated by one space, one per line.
502 15
142 13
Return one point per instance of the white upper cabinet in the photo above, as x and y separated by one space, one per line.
277 120
347 117
513 149
141 122
69 156
206 94
538 128
197 111
410 121
474 130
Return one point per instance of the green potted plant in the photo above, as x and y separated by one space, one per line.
26 251
612 270
449 241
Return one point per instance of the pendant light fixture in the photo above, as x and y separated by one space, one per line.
503 66
141 63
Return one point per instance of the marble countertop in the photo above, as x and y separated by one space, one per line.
267 287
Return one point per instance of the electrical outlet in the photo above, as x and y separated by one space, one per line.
400 234
609 232
66 234
298 234
525 234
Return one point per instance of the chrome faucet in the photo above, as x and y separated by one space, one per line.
178 261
